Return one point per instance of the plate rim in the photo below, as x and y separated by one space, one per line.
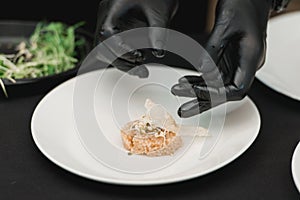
125 182
293 166
260 75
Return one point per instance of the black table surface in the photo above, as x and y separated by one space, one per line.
262 172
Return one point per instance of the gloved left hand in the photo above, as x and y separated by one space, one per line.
116 16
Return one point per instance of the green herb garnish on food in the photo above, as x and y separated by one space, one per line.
50 50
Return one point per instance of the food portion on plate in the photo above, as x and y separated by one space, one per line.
156 133
50 50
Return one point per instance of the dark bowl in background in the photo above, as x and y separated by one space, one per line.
12 33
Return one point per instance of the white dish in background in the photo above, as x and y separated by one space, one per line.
56 134
282 68
296 167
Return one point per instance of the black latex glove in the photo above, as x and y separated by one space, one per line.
237 45
115 16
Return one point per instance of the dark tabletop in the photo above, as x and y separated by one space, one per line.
262 172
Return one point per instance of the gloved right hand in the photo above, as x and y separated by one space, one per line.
237 46
115 16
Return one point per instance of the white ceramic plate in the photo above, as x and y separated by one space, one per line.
76 147
282 67
296 166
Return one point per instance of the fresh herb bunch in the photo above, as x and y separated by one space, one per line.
50 50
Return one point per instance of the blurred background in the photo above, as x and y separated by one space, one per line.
193 17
